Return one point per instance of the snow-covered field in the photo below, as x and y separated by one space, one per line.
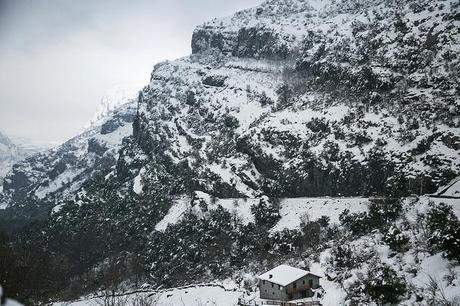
192 296
294 209
238 206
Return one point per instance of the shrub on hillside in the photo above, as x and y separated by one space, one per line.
314 233
287 241
443 229
356 223
396 239
383 211
266 212
381 284
346 257
343 256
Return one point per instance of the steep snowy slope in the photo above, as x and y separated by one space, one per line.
307 98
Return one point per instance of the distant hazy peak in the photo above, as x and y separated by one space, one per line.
14 149
112 99
5 140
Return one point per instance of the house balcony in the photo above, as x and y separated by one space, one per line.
294 291
281 303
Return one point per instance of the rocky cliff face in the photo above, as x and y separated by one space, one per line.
307 98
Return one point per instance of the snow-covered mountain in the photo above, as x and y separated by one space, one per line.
210 173
14 149
8 154
304 98
52 176
300 98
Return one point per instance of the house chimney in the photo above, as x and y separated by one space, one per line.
270 276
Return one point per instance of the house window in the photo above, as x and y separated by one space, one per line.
310 283
303 282
279 287
263 282
272 285
294 285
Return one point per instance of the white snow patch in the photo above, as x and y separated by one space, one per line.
293 209
241 207
138 185
191 296
335 295
435 268
175 214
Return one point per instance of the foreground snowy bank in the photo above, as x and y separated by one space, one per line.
192 296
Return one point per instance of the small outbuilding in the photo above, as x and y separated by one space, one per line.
285 283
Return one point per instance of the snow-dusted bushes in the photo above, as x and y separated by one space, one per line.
266 212
382 212
345 257
111 300
118 299
355 223
287 241
396 239
379 284
443 229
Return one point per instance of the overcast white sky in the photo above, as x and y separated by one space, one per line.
58 57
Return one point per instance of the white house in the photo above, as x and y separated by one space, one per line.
285 283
